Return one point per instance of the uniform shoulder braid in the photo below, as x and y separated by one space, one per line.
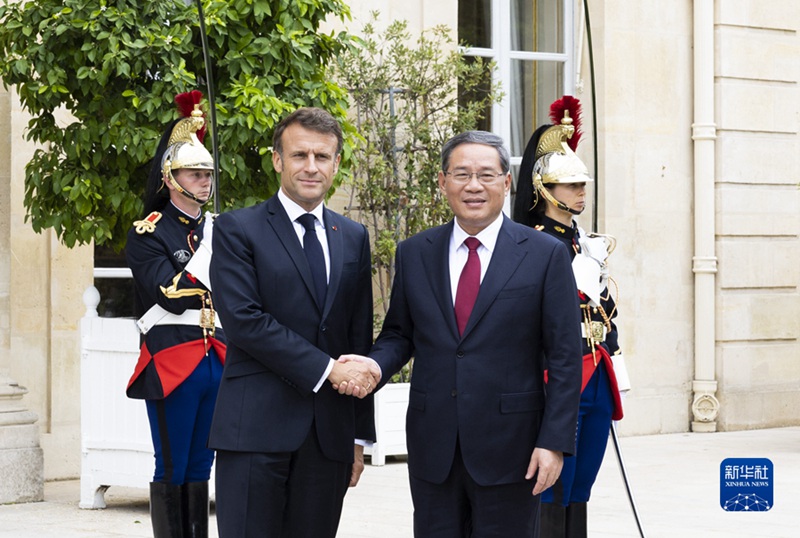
147 224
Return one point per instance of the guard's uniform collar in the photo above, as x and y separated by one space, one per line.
555 228
173 212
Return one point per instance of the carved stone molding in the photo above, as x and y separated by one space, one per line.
705 409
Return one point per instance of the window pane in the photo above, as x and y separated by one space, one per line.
534 86
475 23
514 178
116 297
537 25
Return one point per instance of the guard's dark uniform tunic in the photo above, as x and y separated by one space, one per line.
600 398
180 364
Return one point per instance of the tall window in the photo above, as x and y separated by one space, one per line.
531 41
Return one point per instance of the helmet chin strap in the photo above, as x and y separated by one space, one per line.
539 188
177 186
575 211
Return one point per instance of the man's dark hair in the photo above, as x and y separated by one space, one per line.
314 119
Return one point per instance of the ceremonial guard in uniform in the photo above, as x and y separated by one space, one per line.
551 191
183 346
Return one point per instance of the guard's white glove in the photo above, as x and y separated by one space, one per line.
199 265
587 277
595 279
595 246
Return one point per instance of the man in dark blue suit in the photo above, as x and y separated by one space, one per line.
486 435
292 282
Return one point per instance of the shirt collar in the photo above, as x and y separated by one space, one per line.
487 236
294 211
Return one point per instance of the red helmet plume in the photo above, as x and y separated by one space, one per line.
186 102
573 106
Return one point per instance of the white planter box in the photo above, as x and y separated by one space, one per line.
391 404
116 447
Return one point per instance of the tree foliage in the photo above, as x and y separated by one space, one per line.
113 68
405 104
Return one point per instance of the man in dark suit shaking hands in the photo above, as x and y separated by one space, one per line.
485 433
292 286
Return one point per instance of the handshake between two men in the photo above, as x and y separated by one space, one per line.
355 375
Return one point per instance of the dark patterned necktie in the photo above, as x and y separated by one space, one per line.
315 257
468 284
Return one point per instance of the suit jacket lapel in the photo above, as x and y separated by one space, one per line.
284 229
437 268
505 260
336 252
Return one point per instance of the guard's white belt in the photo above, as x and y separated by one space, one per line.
157 315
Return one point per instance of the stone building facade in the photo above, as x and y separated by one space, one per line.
699 181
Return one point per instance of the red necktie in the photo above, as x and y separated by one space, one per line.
468 284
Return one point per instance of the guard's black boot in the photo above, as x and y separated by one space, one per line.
195 510
552 520
166 510
576 520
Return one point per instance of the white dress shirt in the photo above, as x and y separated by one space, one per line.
295 211
459 251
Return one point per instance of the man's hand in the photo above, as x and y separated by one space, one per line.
358 465
548 463
355 375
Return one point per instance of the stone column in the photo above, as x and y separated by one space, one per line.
21 459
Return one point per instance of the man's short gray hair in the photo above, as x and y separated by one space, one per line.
476 137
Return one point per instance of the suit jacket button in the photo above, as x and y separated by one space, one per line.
323 328
453 393
460 354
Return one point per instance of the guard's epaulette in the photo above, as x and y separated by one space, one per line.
148 224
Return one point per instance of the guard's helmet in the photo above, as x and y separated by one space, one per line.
185 148
550 159
181 146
